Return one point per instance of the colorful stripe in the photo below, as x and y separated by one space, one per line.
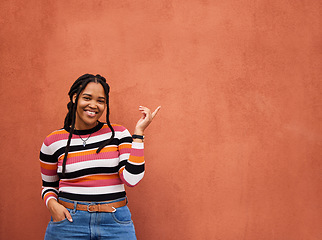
91 176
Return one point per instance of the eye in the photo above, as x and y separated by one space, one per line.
86 98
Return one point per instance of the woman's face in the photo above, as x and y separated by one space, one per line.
90 107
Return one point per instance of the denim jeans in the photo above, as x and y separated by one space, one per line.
93 225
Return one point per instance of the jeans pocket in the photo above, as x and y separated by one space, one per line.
122 215
72 213
58 222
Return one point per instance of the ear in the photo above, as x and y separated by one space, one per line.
74 98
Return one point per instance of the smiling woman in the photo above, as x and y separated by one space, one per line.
90 107
85 165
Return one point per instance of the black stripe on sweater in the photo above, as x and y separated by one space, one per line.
89 171
92 198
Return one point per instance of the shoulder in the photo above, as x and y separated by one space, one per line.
116 127
119 130
55 136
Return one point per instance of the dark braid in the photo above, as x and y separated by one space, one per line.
78 86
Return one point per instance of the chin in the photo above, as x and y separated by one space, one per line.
92 124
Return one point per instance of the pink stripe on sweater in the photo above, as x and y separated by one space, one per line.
118 128
95 183
125 150
56 137
137 152
48 172
85 158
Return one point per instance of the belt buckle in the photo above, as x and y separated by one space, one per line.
88 210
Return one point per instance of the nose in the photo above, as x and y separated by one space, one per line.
92 105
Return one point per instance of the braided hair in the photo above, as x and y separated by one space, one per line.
77 87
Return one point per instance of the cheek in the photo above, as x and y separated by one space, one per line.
103 108
80 103
78 107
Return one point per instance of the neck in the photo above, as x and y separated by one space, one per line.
85 127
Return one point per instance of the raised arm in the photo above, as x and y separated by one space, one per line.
132 154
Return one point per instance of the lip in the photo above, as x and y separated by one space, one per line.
91 113
87 110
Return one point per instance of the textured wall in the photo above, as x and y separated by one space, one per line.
235 152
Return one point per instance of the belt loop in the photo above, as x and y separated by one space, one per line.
75 207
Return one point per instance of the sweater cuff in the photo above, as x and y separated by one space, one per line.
48 196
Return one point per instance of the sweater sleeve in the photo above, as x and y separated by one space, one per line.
48 169
131 159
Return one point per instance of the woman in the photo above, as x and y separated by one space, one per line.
85 165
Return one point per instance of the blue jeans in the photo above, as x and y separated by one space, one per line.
93 225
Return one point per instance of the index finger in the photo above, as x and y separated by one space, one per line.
156 111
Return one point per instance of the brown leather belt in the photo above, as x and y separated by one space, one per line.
104 207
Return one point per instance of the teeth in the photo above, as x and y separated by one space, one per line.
91 113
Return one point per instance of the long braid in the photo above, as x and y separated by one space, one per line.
107 90
78 86
71 117
71 131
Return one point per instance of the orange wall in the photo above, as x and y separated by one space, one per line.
235 152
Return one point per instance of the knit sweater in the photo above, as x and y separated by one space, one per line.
90 176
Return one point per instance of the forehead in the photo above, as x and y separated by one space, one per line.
95 89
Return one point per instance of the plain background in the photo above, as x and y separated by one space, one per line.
235 152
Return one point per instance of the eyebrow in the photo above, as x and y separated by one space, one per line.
87 94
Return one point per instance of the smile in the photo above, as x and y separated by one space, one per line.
90 113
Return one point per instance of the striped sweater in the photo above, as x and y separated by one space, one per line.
90 176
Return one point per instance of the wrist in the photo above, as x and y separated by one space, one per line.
52 204
138 138
138 132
